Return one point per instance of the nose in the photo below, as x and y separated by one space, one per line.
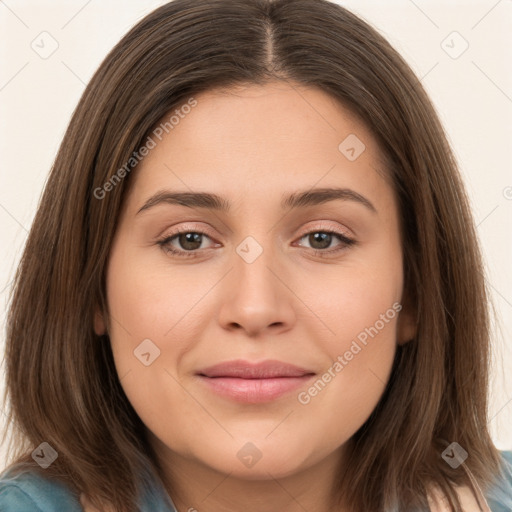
257 296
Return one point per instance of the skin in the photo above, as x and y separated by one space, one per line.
252 145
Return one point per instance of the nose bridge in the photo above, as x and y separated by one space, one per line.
254 259
256 298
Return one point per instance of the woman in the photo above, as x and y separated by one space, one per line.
253 281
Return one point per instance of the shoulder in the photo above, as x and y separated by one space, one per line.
30 491
507 456
497 499
499 496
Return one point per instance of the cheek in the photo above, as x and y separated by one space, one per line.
347 391
361 312
138 296
148 301
361 306
137 322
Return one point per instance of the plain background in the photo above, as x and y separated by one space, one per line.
472 91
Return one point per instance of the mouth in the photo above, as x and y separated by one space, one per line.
247 382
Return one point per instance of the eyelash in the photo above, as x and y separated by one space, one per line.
164 242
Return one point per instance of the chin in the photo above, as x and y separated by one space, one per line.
255 460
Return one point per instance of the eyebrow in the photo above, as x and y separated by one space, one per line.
300 199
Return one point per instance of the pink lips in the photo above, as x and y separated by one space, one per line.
253 383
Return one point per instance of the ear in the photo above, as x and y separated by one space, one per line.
407 327
99 322
407 322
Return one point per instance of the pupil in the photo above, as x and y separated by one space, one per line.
195 240
321 237
188 238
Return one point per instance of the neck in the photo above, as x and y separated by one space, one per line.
196 487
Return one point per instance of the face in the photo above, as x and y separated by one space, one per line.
310 286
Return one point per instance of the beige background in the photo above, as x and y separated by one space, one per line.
471 88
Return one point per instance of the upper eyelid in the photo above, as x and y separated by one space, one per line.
322 227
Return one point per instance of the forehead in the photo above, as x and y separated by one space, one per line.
277 136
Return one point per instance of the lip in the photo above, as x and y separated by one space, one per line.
248 382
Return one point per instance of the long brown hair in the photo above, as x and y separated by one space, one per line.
62 385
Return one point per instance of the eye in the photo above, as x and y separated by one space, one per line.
320 240
189 240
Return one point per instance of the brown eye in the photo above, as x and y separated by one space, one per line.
189 241
183 243
320 241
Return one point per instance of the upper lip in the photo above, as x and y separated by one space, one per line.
268 369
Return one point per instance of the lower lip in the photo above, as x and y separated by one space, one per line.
254 390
